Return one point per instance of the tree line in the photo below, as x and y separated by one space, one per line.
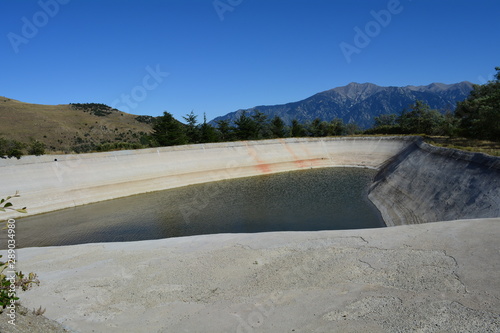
167 131
478 117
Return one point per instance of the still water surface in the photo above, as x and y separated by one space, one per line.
307 200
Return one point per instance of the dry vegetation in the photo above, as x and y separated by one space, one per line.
63 127
478 146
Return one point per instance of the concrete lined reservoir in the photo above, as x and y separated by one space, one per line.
306 200
429 276
416 182
53 182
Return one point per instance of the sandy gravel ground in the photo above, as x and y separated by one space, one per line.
435 277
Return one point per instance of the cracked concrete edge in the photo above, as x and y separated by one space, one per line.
313 276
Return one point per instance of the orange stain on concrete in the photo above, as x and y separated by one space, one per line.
262 166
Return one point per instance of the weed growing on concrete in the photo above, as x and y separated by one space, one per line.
10 279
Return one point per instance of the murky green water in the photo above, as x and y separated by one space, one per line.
309 200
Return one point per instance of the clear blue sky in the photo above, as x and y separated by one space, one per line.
241 54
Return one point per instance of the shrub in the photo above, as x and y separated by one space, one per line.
37 148
15 280
10 148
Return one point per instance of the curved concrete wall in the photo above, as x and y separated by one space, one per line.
52 182
424 183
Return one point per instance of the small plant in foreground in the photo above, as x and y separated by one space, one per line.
19 280
5 204
39 311
8 284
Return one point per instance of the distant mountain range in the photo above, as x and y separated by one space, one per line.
83 126
361 103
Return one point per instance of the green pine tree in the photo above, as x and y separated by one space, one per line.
278 128
479 114
167 131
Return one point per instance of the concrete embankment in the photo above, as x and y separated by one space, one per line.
417 182
51 182
434 277
424 183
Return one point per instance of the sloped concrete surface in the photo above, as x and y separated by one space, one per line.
424 183
51 182
434 277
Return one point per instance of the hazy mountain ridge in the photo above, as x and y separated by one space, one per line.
361 103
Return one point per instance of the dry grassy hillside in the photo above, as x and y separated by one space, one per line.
66 127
